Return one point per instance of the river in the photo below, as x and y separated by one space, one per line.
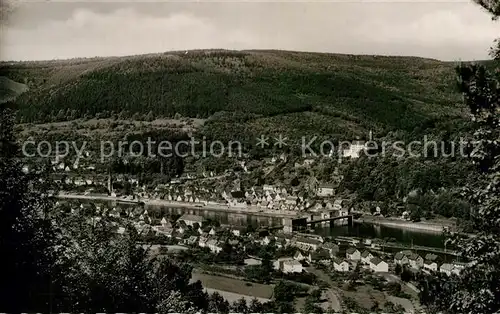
362 230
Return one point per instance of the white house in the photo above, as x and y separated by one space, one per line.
288 265
181 229
430 265
238 231
446 268
416 261
212 232
354 149
291 266
457 269
325 190
265 241
353 254
332 248
202 242
366 256
214 246
268 187
400 258
340 265
276 263
298 256
163 222
378 265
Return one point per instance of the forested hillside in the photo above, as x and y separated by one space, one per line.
239 96
292 92
10 89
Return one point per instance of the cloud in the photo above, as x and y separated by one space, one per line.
123 32
440 28
445 31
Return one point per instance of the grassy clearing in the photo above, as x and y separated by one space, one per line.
109 126
235 286
365 296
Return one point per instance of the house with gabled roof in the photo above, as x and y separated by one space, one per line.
416 261
214 246
340 265
366 256
457 269
192 240
114 213
265 241
299 256
446 268
238 231
431 257
288 265
202 241
331 247
430 265
181 227
353 254
401 258
320 256
337 204
378 265
307 243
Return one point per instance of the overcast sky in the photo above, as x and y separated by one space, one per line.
451 30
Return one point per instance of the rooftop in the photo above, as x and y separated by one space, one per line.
309 241
292 262
365 253
376 261
351 250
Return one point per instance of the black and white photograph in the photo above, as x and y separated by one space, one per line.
258 156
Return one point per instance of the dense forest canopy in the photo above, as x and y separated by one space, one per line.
274 88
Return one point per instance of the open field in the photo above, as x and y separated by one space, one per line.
234 286
232 297
110 127
365 296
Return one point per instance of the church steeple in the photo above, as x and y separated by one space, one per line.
110 182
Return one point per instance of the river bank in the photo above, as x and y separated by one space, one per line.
201 206
425 226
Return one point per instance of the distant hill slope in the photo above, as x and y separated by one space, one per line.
293 92
9 89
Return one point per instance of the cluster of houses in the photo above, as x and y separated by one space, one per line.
268 197
309 249
373 262
430 262
327 253
186 189
262 197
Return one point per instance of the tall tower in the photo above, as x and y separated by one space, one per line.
110 182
